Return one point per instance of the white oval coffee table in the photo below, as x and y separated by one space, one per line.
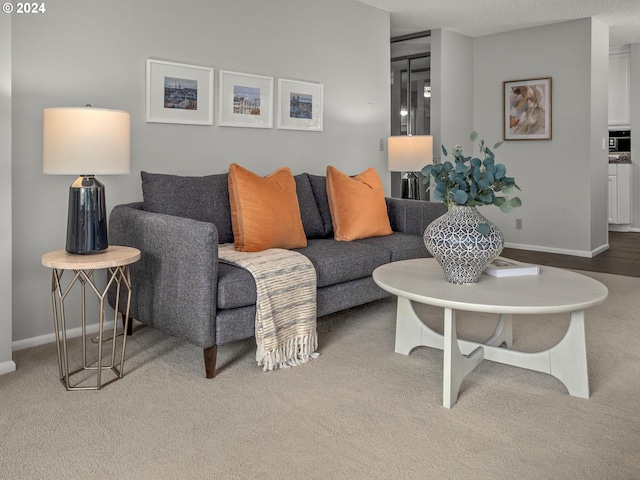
552 291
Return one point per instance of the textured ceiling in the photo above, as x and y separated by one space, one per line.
475 18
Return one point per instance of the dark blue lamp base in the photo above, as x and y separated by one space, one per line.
87 217
410 186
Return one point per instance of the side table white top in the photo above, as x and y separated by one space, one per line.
114 256
554 290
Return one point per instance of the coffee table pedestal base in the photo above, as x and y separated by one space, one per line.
567 360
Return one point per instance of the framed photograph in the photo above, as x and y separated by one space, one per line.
179 93
527 109
300 105
245 100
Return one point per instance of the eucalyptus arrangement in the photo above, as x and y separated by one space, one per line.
471 181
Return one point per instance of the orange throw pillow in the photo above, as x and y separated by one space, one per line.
357 205
264 210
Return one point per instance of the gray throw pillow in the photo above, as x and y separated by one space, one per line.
311 218
203 198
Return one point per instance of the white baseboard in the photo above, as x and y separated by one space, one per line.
623 228
560 251
619 228
51 337
7 367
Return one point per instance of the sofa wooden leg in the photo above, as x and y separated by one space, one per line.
129 325
210 356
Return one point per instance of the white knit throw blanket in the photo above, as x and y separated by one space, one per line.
286 304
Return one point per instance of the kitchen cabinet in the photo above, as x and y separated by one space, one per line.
619 196
619 88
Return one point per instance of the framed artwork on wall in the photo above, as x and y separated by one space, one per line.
527 109
245 100
300 105
179 93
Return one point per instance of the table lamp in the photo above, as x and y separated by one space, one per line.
86 142
409 153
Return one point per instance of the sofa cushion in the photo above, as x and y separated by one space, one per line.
205 199
236 287
357 204
337 262
319 188
401 246
264 210
311 219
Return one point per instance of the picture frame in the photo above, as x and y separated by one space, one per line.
527 109
300 105
178 93
245 100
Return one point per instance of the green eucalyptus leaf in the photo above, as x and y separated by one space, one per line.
462 168
484 184
444 151
484 229
489 176
426 171
506 207
516 202
474 136
500 171
488 152
486 199
460 197
461 182
476 162
488 161
497 145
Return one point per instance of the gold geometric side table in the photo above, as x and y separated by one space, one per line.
116 260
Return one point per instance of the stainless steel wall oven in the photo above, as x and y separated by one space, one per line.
619 141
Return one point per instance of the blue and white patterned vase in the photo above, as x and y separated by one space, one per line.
455 242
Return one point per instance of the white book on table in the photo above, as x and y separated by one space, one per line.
505 267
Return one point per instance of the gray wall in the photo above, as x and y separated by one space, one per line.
635 136
6 364
452 91
563 181
94 52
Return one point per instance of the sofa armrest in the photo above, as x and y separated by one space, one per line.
413 216
174 284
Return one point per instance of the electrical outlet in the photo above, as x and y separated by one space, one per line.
518 224
381 145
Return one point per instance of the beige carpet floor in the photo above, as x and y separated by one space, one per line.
359 411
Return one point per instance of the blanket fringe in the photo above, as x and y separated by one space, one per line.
294 352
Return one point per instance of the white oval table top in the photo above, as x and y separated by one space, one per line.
554 290
113 256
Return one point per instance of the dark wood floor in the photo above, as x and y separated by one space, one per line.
622 258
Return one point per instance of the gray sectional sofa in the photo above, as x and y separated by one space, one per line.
180 288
